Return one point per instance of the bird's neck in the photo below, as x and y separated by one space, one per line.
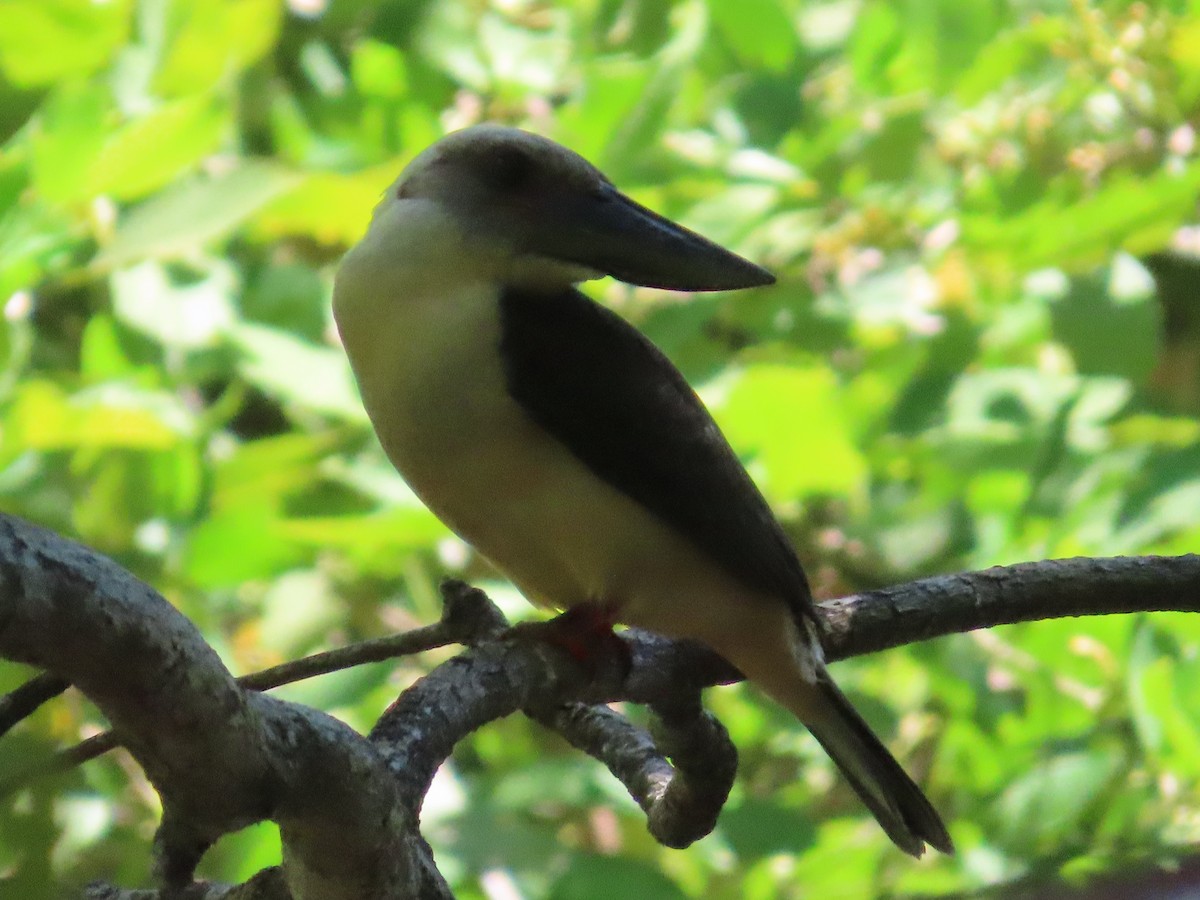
414 249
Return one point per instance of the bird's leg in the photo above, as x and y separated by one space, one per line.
585 632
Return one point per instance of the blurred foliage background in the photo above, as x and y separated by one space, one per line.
984 347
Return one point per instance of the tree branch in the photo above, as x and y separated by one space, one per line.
502 677
1004 595
222 756
464 621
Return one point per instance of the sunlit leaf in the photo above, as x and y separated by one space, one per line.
152 150
208 40
1125 214
760 32
273 467
68 136
42 41
787 421
330 208
311 376
186 218
45 418
192 315
233 546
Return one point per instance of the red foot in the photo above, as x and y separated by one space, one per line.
585 631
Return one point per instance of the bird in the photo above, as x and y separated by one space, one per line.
560 443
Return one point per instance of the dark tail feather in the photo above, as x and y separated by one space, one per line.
891 796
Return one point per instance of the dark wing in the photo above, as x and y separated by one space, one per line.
605 391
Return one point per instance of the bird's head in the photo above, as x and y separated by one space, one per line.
545 215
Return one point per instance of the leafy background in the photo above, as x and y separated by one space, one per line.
984 347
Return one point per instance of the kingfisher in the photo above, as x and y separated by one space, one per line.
565 447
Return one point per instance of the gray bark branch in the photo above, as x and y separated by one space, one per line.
219 756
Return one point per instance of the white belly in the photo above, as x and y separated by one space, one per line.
432 384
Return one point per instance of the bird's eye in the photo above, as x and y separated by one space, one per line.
509 168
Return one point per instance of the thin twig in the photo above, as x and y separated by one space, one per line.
428 637
20 703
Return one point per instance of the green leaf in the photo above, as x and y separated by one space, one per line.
298 611
68 136
789 422
36 241
1002 59
152 150
187 316
761 827
328 207
43 417
207 41
242 855
101 356
185 219
761 32
377 70
449 41
364 538
523 59
603 877
125 490
236 545
1137 215
1051 802
274 467
876 40
44 41
1113 324
290 297
295 371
